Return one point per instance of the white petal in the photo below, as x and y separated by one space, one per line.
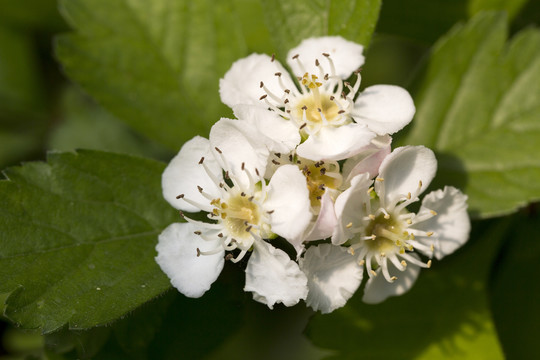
239 143
333 276
349 208
288 200
378 289
346 55
385 109
326 221
282 136
451 225
177 257
335 143
184 174
402 172
273 277
241 84
368 160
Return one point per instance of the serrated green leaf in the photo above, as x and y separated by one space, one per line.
444 316
78 237
292 21
478 107
515 290
153 64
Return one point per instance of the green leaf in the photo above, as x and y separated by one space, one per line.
512 7
292 21
153 64
515 290
444 316
478 107
87 125
78 237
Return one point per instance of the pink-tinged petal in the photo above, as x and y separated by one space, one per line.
240 146
403 171
350 209
177 256
385 109
333 276
273 277
184 174
368 160
241 84
451 226
346 55
335 143
378 289
281 135
326 221
289 204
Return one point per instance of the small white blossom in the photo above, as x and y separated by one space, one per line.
333 118
243 210
381 235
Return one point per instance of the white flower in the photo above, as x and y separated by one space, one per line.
333 118
382 235
243 211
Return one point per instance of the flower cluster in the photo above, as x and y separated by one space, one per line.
308 160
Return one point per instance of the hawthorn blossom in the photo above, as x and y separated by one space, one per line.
382 235
243 212
333 119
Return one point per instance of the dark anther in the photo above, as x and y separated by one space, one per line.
278 154
201 161
251 198
277 74
323 171
290 158
243 166
242 194
200 188
273 57
326 54
303 126
262 84
270 212
275 162
198 252
304 107
287 91
286 101
319 110
220 235
229 257
197 232
326 76
296 56
341 111
218 150
263 97
180 196
181 214
257 172
248 229
316 62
